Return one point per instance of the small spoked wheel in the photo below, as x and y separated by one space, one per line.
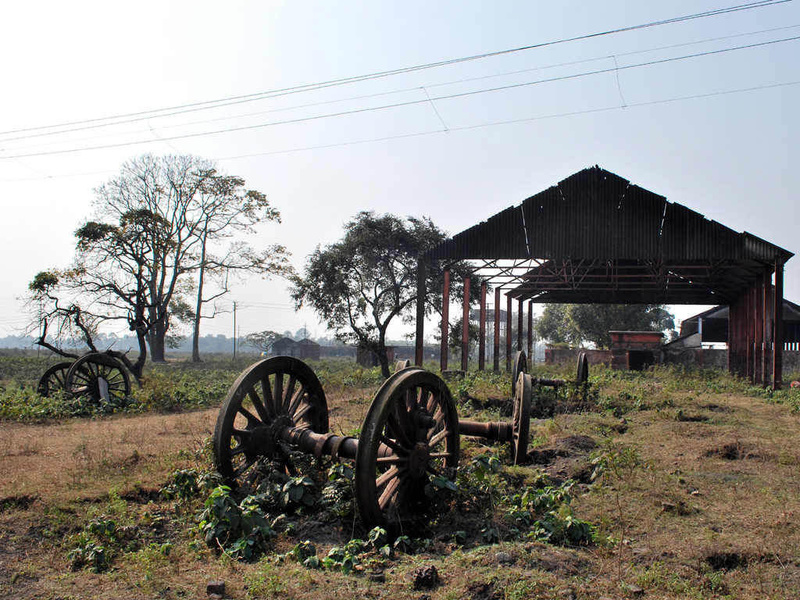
583 369
522 419
100 378
54 379
410 435
520 366
274 393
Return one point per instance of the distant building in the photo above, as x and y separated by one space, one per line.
308 349
305 349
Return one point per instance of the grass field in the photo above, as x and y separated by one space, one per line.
664 484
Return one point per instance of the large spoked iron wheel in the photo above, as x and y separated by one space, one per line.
520 366
410 434
521 419
582 375
99 378
54 379
271 394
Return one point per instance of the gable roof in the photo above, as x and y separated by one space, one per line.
596 237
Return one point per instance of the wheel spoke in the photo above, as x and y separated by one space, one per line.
426 400
251 418
279 392
435 439
259 406
266 393
392 460
440 455
388 494
392 473
297 398
298 416
394 445
287 397
403 425
240 433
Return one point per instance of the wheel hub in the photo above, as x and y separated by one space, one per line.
418 460
263 439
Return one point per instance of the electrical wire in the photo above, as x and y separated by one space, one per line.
227 101
479 126
396 91
404 104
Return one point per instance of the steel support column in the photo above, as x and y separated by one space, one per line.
520 320
445 321
530 332
465 328
777 340
420 339
496 355
509 311
482 330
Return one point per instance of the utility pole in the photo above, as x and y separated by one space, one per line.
234 330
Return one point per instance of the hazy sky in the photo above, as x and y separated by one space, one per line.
717 133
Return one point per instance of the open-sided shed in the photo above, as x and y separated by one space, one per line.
597 238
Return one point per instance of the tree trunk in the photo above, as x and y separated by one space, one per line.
157 343
384 362
198 313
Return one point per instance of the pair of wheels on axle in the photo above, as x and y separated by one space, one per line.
97 377
521 366
409 435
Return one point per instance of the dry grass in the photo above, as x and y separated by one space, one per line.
698 499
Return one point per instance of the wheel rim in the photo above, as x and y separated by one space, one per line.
100 378
521 419
520 366
402 364
269 395
54 379
410 434
583 369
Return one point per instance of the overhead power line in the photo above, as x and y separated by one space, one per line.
518 121
473 127
407 103
227 101
386 93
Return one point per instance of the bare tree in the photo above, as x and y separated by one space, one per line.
109 281
159 222
226 208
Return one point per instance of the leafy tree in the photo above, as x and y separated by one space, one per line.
556 326
262 340
362 283
159 219
576 323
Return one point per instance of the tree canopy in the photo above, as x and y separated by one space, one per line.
160 229
578 323
368 279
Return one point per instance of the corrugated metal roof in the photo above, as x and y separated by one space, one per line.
599 238
597 214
